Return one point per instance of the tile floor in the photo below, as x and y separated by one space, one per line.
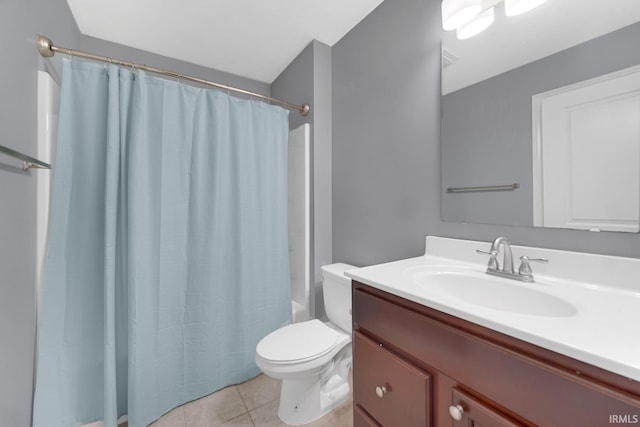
251 404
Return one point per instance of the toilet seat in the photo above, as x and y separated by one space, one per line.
297 343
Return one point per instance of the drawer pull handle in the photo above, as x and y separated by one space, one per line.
380 391
456 412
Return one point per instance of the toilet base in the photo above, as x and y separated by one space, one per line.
305 400
312 388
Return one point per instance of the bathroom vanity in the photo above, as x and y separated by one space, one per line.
558 352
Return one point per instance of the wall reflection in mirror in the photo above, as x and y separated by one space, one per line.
549 100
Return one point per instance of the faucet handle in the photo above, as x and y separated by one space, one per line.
491 252
493 261
525 267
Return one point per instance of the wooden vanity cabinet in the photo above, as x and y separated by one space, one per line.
439 370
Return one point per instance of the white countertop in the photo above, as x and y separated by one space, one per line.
604 330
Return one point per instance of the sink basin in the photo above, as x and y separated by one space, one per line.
478 288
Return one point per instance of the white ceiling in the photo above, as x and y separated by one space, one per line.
517 40
250 38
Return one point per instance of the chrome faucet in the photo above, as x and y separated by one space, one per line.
523 274
507 260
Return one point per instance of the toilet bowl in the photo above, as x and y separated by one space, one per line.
313 358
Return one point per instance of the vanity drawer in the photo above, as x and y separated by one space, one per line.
468 411
528 389
391 390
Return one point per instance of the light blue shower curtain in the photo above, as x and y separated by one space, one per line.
168 253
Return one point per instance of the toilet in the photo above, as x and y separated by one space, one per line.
312 358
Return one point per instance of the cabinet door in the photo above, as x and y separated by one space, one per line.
391 390
361 419
469 412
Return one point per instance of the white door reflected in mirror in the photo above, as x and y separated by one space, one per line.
586 154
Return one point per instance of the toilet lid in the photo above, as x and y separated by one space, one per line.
297 342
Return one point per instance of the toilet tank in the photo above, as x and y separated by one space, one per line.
336 289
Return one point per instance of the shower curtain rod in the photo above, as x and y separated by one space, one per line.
48 49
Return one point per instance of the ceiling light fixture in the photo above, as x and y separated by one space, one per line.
516 7
456 13
477 25
469 18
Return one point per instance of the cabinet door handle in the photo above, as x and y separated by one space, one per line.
456 412
380 391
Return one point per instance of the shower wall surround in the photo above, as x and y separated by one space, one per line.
308 78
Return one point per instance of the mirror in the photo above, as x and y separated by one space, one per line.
496 91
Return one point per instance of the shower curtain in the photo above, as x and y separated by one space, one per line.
168 250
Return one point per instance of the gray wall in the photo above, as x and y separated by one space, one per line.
386 133
102 47
308 80
20 21
486 127
386 146
295 84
